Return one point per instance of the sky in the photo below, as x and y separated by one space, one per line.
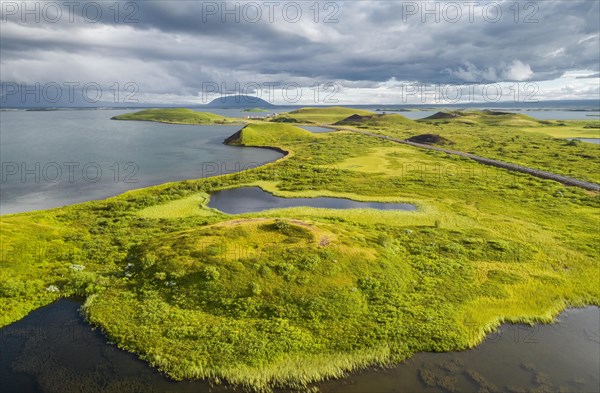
300 52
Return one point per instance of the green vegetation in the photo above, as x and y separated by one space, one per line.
176 116
513 138
195 205
290 296
568 129
375 121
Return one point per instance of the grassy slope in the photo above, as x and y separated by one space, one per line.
176 116
381 120
295 295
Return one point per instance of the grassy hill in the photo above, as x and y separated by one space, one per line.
176 116
320 115
379 121
250 294
477 117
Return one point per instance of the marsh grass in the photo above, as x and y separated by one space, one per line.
195 205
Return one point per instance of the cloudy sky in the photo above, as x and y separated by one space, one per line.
353 52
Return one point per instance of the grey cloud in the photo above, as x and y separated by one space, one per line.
371 44
596 75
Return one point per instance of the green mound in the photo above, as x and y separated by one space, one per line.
379 120
443 115
259 302
485 117
270 135
321 115
265 302
430 139
176 116
285 119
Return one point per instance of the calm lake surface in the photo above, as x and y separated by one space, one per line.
53 349
56 158
253 199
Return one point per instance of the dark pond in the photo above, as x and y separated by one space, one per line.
54 350
253 199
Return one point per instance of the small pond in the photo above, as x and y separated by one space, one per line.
253 200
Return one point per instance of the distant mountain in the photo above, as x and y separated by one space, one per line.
239 101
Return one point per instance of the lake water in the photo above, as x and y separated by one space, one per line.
55 158
253 199
53 349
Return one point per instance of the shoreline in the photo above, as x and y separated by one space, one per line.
354 372
285 154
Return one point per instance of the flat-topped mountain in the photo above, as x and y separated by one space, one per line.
239 101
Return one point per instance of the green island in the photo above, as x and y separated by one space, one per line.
177 116
287 297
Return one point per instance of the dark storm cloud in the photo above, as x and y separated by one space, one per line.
186 44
